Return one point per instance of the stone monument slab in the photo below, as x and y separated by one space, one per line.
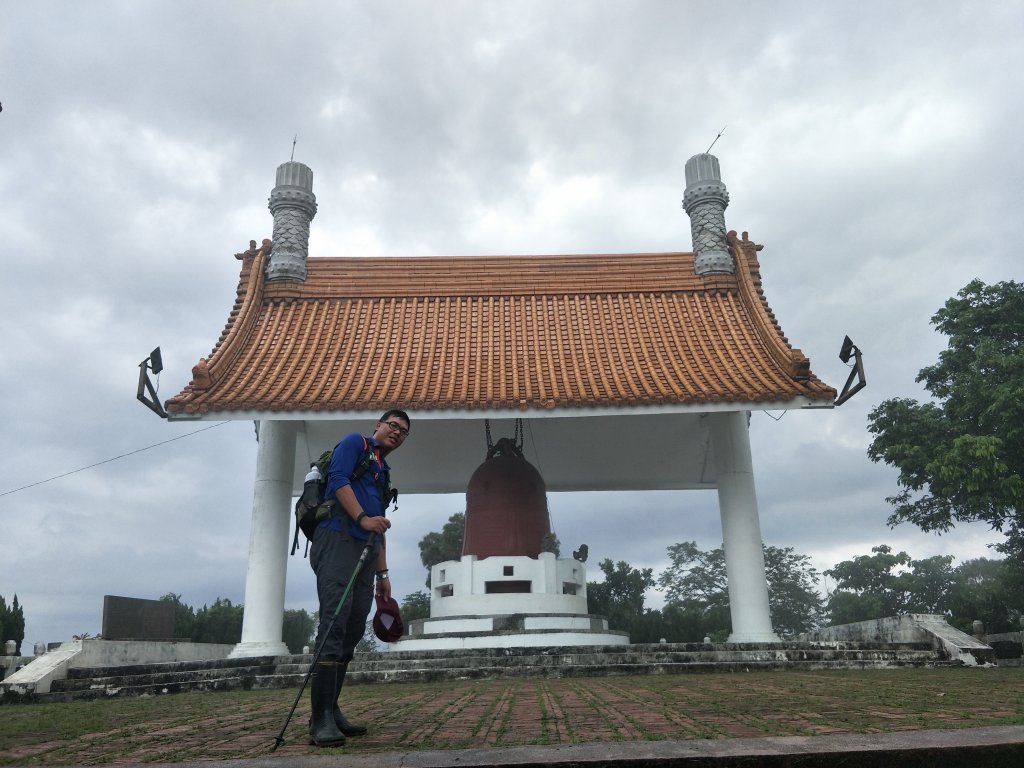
132 618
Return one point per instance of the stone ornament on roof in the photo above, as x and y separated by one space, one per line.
705 200
293 205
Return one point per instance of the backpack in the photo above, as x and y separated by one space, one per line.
311 508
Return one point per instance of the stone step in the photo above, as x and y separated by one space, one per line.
163 678
384 662
221 664
289 671
237 679
614 650
97 690
600 670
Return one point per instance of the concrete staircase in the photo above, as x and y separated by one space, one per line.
422 666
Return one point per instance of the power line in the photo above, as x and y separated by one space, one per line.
115 458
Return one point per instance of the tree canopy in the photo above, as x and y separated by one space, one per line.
961 457
984 590
222 623
697 579
697 595
416 605
887 583
297 629
446 544
620 597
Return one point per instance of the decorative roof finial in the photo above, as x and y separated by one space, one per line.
705 200
293 205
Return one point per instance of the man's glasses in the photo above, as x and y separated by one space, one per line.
396 427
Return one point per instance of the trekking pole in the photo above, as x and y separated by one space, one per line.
279 739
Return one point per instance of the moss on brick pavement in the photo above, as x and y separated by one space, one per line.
506 712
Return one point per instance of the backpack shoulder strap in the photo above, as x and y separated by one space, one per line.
365 462
371 455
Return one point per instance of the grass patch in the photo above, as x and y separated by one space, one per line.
492 713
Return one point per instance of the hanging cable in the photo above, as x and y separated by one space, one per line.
107 461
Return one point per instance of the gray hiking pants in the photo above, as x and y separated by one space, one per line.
334 556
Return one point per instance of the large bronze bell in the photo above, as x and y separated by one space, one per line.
506 506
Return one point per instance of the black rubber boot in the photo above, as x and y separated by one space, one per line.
344 724
323 684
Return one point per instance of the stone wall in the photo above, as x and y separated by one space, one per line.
911 628
1008 648
94 652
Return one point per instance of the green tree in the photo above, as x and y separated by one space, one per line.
673 624
984 590
446 544
794 601
416 605
695 577
961 458
1013 565
867 587
297 629
887 584
218 623
222 623
848 607
697 580
550 543
184 616
928 584
620 597
12 623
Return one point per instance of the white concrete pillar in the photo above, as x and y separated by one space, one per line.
549 573
467 576
268 543
741 529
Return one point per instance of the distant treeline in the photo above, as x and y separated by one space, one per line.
222 623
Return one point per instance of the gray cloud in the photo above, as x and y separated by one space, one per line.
872 148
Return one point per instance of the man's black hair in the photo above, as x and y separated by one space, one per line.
396 412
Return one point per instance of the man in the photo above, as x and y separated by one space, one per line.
356 518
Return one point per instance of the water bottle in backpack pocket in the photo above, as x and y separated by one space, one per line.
311 499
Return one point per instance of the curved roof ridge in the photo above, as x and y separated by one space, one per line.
243 315
241 320
748 277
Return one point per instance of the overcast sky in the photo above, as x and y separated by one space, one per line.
872 147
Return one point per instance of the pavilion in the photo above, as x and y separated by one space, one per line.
670 351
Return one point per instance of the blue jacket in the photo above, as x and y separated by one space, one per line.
344 460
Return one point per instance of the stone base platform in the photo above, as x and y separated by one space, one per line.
509 631
100 668
467 664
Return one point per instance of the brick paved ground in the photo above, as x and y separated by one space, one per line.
499 713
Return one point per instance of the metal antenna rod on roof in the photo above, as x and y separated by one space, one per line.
716 139
296 139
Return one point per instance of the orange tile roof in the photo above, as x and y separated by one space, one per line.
499 332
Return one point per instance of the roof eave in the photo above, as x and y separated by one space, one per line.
800 402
